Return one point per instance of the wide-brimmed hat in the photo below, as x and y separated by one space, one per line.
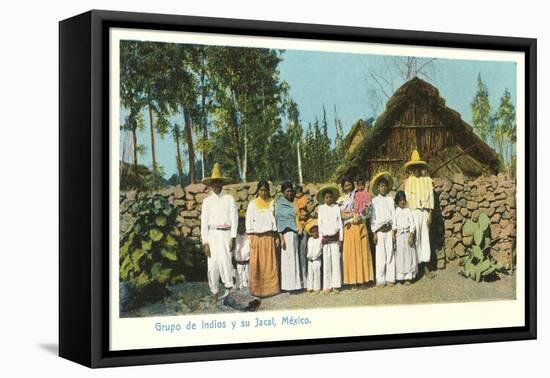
327 188
373 187
309 225
415 160
216 176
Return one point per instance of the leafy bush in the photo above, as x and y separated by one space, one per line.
153 254
478 264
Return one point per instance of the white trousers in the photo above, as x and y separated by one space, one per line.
332 267
314 275
385 260
423 251
242 276
219 262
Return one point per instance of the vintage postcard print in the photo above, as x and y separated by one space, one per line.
267 189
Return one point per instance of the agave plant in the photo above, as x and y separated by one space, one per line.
478 264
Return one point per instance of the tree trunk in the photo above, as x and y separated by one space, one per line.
178 159
245 158
188 133
241 169
135 144
203 118
301 179
153 150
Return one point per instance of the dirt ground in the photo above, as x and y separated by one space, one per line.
447 287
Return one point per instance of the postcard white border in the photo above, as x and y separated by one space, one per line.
140 333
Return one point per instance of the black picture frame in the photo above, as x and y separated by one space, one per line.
84 189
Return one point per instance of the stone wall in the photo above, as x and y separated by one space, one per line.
456 201
461 199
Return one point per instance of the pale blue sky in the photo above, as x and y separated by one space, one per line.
342 79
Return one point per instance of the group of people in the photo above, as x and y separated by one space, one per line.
279 245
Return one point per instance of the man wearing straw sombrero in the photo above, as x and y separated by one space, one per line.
219 222
420 197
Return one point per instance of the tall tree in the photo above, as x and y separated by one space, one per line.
132 91
248 94
176 135
295 132
481 110
505 126
143 85
206 101
181 91
134 123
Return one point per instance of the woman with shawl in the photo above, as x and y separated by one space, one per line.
285 216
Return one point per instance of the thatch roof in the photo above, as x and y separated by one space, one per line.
357 134
414 104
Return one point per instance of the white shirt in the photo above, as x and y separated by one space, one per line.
403 220
314 248
383 211
330 221
259 221
218 211
346 204
242 248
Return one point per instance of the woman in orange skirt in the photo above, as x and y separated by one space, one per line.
356 256
264 242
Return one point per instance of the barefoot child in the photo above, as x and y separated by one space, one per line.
314 252
383 214
242 253
404 231
331 232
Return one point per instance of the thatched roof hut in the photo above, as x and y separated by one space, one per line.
416 118
355 136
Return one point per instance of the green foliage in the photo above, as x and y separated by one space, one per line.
152 254
481 110
468 228
320 159
232 103
505 128
478 264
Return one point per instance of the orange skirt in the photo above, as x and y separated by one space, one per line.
357 256
264 267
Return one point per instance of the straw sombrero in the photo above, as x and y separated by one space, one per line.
373 187
415 160
309 225
216 176
327 188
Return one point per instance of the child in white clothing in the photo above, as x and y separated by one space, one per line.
242 254
383 214
314 253
331 232
404 229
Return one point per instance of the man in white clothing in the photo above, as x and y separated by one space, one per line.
420 196
219 222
